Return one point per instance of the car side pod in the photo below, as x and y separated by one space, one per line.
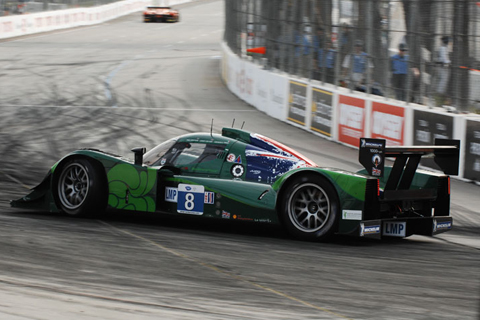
139 152
410 202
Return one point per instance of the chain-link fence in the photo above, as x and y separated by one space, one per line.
14 7
423 51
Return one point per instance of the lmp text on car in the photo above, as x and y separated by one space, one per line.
160 14
246 176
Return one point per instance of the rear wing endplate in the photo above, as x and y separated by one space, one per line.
372 154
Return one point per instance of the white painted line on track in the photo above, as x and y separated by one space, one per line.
127 108
50 33
227 273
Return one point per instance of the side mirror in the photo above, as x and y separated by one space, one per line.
139 152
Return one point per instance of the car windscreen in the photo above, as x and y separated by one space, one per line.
157 155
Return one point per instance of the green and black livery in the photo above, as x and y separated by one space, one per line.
240 175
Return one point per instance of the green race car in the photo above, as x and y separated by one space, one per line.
240 175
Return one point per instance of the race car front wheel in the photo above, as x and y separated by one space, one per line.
310 208
80 188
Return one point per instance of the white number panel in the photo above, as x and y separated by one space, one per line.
190 199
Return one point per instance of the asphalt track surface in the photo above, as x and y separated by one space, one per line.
124 84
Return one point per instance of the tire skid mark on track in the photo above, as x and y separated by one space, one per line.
227 273
106 298
15 180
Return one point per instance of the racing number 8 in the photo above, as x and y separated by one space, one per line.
190 199
189 204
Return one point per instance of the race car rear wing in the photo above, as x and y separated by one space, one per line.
372 154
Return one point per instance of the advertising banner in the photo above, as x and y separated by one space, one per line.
250 82
19 25
427 127
297 102
388 122
472 151
351 119
321 111
225 62
239 88
261 89
277 97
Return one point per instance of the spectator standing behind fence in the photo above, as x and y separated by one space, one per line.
399 64
443 70
355 69
326 62
344 41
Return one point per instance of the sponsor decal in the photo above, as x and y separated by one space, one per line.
443 225
226 215
239 217
171 194
370 144
237 170
190 199
263 220
366 230
376 160
352 214
209 197
371 155
394 229
376 172
231 157
163 161
238 160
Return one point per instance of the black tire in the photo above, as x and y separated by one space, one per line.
81 188
310 208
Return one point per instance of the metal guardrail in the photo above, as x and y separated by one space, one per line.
427 51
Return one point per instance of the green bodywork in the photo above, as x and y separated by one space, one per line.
147 188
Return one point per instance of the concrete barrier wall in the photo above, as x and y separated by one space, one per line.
341 115
25 24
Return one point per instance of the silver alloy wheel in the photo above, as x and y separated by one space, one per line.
308 207
73 186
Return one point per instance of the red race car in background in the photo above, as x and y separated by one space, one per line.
160 14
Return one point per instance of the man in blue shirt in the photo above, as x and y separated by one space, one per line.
357 65
399 65
326 61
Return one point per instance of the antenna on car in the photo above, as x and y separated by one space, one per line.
211 129
233 122
242 125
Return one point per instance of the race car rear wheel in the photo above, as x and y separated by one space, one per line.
310 208
80 188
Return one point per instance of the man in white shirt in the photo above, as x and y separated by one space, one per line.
443 66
